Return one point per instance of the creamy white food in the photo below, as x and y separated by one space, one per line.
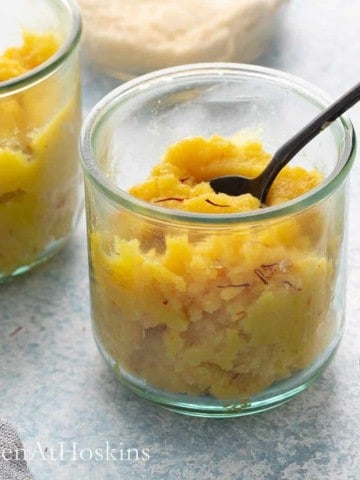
136 36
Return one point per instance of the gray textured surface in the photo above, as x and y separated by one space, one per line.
12 462
55 387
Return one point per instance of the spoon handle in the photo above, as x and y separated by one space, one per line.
287 151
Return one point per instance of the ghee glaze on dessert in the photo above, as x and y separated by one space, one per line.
223 313
40 176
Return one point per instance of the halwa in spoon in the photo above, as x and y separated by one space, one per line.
259 186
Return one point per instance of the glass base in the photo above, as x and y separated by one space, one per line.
207 406
51 250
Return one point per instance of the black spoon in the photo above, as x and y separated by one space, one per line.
259 186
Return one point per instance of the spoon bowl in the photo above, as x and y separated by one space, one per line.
259 186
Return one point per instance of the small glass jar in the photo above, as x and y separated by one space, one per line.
214 314
40 118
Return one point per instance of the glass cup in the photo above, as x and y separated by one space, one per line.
214 314
40 118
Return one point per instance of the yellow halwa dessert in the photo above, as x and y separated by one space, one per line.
220 311
35 50
39 172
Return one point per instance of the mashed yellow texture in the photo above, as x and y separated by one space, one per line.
219 312
39 174
35 50
180 181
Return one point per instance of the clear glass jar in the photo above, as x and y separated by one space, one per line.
214 315
40 113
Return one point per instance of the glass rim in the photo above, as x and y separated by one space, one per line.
129 89
72 40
